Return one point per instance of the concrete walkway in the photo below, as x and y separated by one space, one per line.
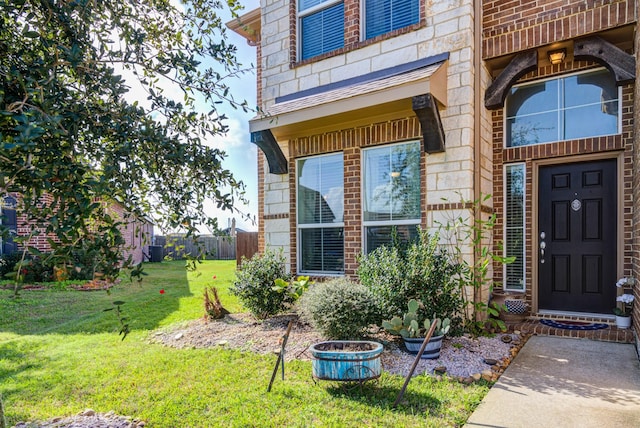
560 382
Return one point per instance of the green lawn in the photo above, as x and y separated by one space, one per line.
60 353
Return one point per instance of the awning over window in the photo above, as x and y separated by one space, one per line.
417 87
400 89
356 98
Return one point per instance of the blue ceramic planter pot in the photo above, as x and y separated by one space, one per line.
346 360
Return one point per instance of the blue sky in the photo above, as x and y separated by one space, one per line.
241 154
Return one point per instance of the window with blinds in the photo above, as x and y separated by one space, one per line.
383 16
320 214
514 228
391 193
321 26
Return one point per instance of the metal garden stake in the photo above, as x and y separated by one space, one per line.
280 356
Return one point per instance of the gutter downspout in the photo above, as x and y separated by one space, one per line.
477 130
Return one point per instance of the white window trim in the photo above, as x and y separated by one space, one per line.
547 79
524 229
303 13
315 225
375 223
313 9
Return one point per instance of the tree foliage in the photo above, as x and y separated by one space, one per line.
99 102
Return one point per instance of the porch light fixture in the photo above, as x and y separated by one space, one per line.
557 56
395 174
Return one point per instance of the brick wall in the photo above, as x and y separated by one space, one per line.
350 142
636 195
443 27
515 25
621 143
512 26
136 233
25 227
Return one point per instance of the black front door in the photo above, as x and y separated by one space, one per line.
577 242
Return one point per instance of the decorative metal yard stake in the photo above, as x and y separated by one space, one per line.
280 356
415 362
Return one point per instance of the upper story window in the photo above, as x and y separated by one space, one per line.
320 211
321 26
566 108
383 16
391 193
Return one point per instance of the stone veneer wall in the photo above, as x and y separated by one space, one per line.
444 27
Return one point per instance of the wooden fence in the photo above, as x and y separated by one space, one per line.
246 245
213 247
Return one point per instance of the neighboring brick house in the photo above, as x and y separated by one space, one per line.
137 233
373 111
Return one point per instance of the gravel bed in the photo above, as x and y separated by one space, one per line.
461 356
86 419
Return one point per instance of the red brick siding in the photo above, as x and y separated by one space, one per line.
26 228
350 142
137 234
636 195
517 25
528 154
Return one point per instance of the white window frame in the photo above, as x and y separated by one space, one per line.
316 225
524 227
309 11
377 223
538 81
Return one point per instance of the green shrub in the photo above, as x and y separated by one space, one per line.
255 282
422 271
340 309
382 272
35 269
85 262
8 263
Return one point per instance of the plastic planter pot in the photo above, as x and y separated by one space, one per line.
346 360
623 322
432 351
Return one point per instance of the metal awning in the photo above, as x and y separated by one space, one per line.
417 88
353 101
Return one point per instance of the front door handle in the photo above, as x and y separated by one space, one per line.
543 245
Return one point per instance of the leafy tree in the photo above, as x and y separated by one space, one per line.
73 129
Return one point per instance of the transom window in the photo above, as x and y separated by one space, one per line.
391 193
320 212
576 106
383 16
321 26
